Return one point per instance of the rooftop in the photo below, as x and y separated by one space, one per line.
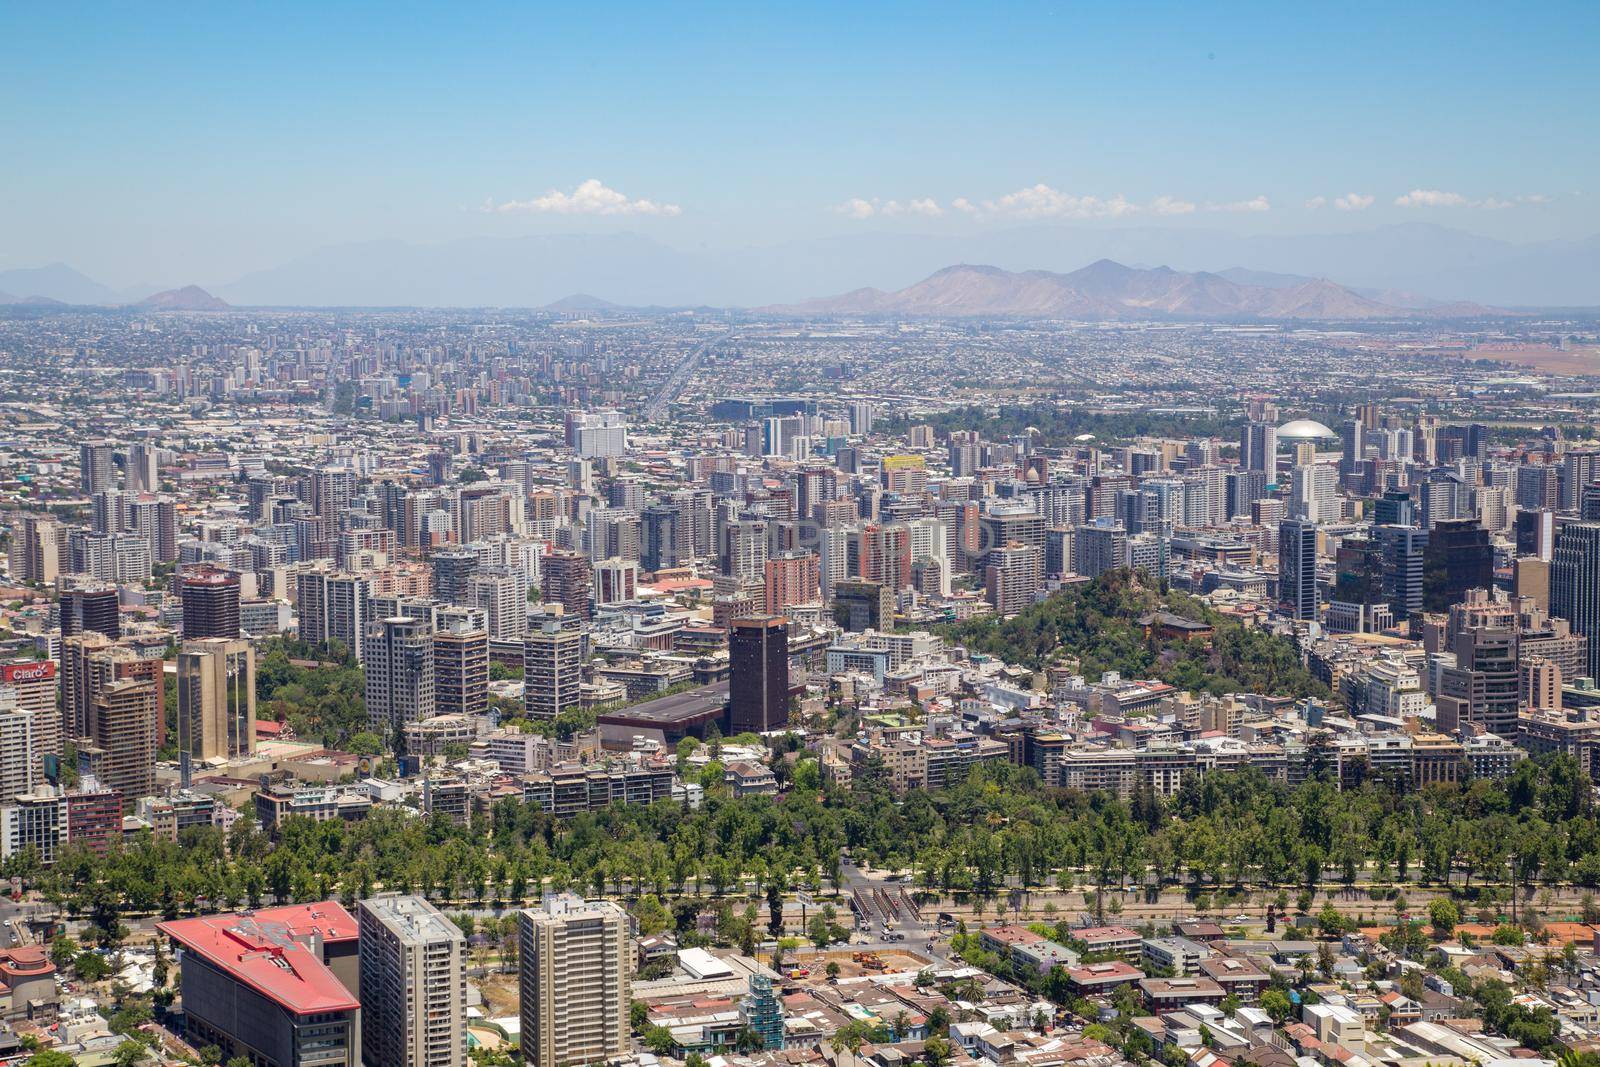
271 952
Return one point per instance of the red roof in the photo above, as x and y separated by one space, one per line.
265 950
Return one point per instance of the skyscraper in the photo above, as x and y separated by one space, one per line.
1458 557
90 606
1297 568
217 698
460 668
574 982
569 581
552 667
397 655
413 984
1258 449
1575 584
122 733
758 674
210 602
97 470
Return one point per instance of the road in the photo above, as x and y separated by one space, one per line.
670 388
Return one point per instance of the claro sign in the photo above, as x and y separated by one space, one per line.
13 673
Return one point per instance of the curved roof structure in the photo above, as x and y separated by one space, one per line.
1304 430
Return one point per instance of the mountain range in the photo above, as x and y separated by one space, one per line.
1416 265
1109 290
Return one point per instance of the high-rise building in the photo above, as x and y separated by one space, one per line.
397 657
123 734
413 984
452 573
21 759
552 667
1458 557
97 468
1575 584
90 607
758 674
36 687
143 476
272 986
217 698
616 581
1297 568
569 581
574 982
38 549
861 606
155 518
210 602
1012 577
1258 449
1098 548
460 668
502 596
792 578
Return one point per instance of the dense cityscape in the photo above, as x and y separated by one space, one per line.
651 688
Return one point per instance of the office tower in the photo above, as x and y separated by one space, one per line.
460 667
1530 578
616 581
1575 584
1352 447
210 602
21 758
1258 449
1098 548
1314 493
503 599
1539 684
1535 533
1589 503
1297 568
38 549
452 571
758 674
141 468
861 606
90 607
122 730
574 982
35 686
1579 467
552 667
1402 549
997 529
1458 557
1483 686
397 656
97 469
413 984
658 537
1012 577
272 986
216 699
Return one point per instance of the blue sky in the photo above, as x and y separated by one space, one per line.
200 142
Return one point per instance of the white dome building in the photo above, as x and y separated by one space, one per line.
1304 430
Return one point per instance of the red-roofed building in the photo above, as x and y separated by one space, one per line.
1094 978
274 985
30 984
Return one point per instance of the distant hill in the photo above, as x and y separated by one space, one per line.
581 302
1106 289
189 298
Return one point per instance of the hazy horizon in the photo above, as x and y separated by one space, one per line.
147 154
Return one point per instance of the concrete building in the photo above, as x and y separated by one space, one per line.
413 984
217 699
552 667
758 695
398 657
574 982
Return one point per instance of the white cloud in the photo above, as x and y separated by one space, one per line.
1167 205
1254 204
1317 202
857 208
593 197
963 205
1431 199
1041 201
1353 202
